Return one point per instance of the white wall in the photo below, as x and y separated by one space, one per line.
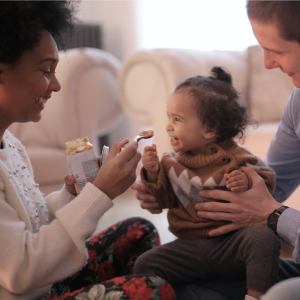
118 23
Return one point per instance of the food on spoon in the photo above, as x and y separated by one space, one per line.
145 134
149 133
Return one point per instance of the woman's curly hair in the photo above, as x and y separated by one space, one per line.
217 103
21 23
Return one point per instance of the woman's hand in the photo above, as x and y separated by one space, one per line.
147 201
244 209
118 170
69 184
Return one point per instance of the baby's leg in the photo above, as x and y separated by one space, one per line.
177 262
260 249
186 260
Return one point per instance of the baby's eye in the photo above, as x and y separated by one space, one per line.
177 120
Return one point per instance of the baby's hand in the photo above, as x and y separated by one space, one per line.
150 160
237 181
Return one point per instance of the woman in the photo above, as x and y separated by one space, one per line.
44 254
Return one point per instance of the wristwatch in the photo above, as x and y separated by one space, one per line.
274 216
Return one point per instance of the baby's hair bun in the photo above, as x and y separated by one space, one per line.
221 74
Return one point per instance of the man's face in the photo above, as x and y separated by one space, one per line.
278 52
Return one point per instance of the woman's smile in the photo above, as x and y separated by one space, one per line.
41 102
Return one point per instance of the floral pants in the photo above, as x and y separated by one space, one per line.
108 272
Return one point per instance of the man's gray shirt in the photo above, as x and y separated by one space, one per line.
283 156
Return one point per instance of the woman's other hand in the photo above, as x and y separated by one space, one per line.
69 184
147 201
244 209
118 171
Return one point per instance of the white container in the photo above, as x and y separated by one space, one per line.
82 160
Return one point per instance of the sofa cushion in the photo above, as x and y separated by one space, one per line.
148 78
49 164
269 90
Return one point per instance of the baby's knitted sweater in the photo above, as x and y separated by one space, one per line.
182 175
42 239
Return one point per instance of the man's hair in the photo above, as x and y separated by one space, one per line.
284 14
216 102
21 23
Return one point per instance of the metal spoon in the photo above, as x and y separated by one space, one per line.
146 134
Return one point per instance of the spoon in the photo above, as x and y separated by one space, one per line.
145 134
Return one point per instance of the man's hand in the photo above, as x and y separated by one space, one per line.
147 201
237 181
244 209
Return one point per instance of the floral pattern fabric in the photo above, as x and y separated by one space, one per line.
108 272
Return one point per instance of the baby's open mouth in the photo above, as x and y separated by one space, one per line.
174 140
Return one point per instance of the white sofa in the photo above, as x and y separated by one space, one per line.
87 105
147 79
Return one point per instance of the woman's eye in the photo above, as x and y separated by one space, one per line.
47 73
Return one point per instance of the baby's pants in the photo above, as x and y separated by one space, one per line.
108 272
251 252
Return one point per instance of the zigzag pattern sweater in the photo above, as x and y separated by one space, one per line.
182 175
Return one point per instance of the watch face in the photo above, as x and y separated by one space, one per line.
272 221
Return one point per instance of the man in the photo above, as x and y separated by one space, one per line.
276 26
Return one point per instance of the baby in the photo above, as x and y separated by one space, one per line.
204 117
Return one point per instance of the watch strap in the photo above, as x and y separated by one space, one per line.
281 209
274 216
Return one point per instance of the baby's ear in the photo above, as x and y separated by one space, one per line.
210 132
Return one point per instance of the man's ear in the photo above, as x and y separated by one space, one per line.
210 132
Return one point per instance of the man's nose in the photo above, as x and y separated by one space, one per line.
270 61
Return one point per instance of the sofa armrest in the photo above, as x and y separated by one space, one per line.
147 79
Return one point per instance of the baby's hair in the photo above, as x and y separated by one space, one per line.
217 103
21 23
